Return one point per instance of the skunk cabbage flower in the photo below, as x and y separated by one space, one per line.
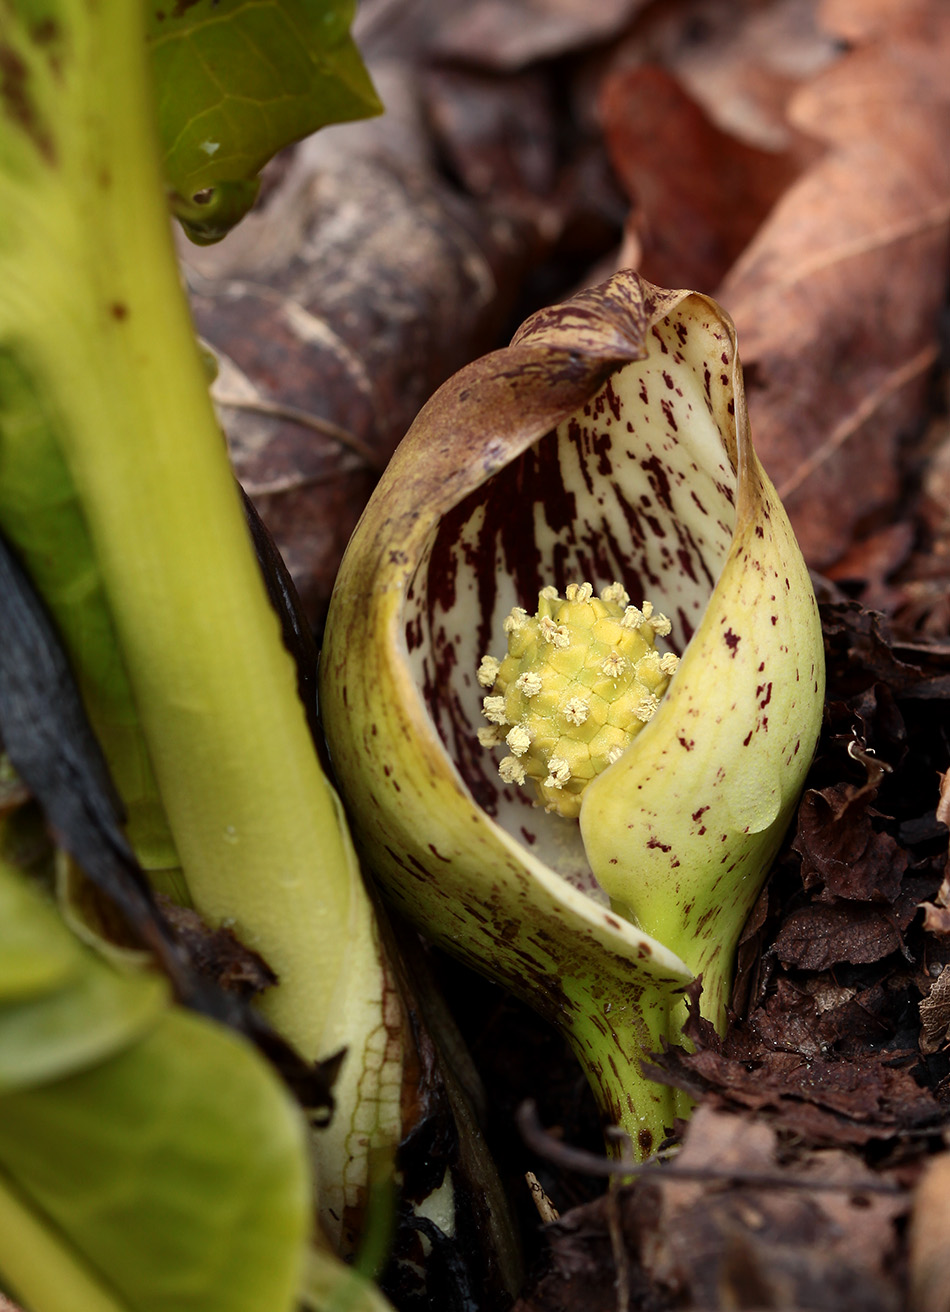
597 468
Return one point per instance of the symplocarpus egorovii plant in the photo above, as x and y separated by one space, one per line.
588 815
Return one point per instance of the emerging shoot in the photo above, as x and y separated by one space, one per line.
618 420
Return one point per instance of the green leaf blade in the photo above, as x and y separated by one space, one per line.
238 81
177 1168
167 1166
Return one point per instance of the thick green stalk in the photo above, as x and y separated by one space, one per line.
92 310
620 1034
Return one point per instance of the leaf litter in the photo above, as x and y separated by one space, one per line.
791 157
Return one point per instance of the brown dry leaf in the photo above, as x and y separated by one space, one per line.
865 20
937 912
836 300
737 1245
699 192
756 1230
841 849
498 134
218 953
818 937
584 1249
337 308
935 1013
943 805
936 919
738 59
836 1102
862 639
873 561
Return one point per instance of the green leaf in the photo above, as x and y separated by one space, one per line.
176 1168
60 1006
172 1174
32 962
237 80
77 1025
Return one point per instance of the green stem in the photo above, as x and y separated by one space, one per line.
613 1041
92 307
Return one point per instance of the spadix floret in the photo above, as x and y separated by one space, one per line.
578 683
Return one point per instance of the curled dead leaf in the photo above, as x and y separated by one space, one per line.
935 1014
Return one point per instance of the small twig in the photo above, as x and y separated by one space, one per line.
546 1209
278 410
579 1159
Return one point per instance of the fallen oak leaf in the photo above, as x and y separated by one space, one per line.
842 851
824 1102
838 295
821 936
817 1232
699 192
735 1209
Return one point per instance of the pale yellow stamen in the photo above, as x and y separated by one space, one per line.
576 710
516 619
488 671
614 754
661 625
529 683
669 663
615 594
578 592
648 707
647 609
511 770
549 593
493 709
519 740
632 618
559 772
490 735
614 665
559 635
